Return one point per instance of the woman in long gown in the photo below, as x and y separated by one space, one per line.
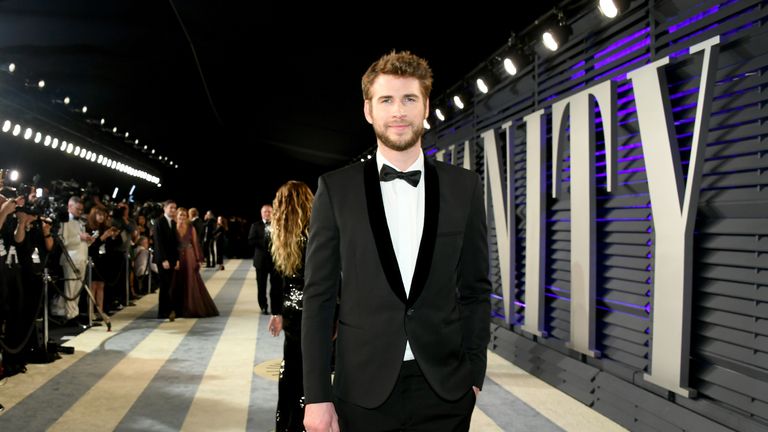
290 222
194 297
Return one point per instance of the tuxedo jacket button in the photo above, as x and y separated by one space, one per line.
410 312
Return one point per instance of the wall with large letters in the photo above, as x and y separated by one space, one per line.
627 209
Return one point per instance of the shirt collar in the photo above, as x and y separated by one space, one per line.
417 165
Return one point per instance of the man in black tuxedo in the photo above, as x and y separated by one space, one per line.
209 226
166 257
405 254
259 238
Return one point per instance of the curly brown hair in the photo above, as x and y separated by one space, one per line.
402 64
290 223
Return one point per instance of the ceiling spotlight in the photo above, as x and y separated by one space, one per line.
556 34
153 151
55 143
136 142
177 165
426 126
11 67
47 140
27 133
114 130
457 102
514 58
14 175
84 109
38 137
7 125
66 100
16 130
612 8
127 134
41 84
102 121
439 114
482 86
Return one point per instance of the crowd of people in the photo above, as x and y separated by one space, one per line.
111 252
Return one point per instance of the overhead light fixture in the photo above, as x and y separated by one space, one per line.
514 57
66 100
458 102
11 67
41 84
28 133
7 125
556 33
84 109
426 126
439 114
102 121
612 8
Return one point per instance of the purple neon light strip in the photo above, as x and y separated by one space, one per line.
621 42
698 17
623 53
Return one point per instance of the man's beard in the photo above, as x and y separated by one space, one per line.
401 145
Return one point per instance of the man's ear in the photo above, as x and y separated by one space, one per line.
367 110
426 111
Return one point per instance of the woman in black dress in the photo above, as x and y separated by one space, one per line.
290 222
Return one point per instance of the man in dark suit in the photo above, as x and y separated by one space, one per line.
401 243
198 224
209 226
259 238
166 257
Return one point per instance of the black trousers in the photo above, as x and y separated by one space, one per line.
166 300
413 406
289 416
261 285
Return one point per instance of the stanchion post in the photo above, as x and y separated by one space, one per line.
127 279
46 279
149 271
90 302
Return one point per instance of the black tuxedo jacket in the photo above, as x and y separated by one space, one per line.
166 242
262 256
199 225
446 317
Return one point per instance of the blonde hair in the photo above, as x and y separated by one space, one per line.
178 228
290 223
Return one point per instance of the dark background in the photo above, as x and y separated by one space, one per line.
283 82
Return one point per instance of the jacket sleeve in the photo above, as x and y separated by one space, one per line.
160 253
321 283
475 288
253 236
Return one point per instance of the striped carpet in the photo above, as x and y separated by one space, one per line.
220 374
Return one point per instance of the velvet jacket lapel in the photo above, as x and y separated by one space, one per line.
378 220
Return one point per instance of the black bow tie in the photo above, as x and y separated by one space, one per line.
388 174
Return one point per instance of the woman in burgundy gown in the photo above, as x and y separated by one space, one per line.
194 297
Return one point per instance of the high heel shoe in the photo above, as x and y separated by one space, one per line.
172 316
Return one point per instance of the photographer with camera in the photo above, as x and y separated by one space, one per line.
97 226
75 242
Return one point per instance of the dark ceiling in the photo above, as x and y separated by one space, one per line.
283 97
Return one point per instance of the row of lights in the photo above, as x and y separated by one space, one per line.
515 57
11 68
77 151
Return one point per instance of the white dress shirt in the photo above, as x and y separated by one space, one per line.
404 208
